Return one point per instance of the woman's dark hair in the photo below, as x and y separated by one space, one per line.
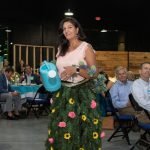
106 76
63 42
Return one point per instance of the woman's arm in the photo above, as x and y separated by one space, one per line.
90 58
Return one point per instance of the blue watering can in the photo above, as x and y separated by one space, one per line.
50 77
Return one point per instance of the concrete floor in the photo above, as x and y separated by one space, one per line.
119 143
30 134
23 134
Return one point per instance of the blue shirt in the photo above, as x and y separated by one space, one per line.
120 93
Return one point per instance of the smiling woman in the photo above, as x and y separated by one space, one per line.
74 105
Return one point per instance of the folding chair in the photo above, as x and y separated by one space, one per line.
39 103
144 126
109 111
124 123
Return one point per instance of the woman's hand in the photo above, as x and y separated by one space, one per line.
68 72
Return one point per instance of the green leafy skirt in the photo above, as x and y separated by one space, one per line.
75 119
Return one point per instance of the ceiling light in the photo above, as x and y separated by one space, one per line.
68 13
7 30
104 30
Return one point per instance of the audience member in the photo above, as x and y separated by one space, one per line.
130 76
9 95
104 104
103 84
120 92
108 82
5 65
21 67
141 86
30 77
120 95
100 88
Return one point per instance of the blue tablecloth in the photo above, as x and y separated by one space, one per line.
25 88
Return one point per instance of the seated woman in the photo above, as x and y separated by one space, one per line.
103 85
21 67
130 76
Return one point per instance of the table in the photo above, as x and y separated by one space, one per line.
26 90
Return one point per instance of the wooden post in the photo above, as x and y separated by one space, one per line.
53 53
121 41
19 52
14 56
40 55
34 59
27 54
47 54
27 49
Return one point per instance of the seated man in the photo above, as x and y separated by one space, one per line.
141 87
120 92
30 77
8 95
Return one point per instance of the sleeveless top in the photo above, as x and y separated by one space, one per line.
72 58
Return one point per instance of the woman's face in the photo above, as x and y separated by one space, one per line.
69 30
21 62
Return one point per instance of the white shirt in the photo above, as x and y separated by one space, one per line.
28 79
141 94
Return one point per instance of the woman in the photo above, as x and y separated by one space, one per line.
75 122
131 76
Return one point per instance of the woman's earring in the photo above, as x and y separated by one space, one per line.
77 35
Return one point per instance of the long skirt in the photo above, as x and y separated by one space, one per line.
75 119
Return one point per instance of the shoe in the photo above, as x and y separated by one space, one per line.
17 116
5 114
11 118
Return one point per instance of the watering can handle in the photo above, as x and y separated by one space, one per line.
46 64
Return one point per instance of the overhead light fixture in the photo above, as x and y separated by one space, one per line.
104 30
7 30
68 13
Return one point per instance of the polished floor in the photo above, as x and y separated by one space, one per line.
30 134
119 143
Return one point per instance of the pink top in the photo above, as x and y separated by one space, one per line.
72 58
